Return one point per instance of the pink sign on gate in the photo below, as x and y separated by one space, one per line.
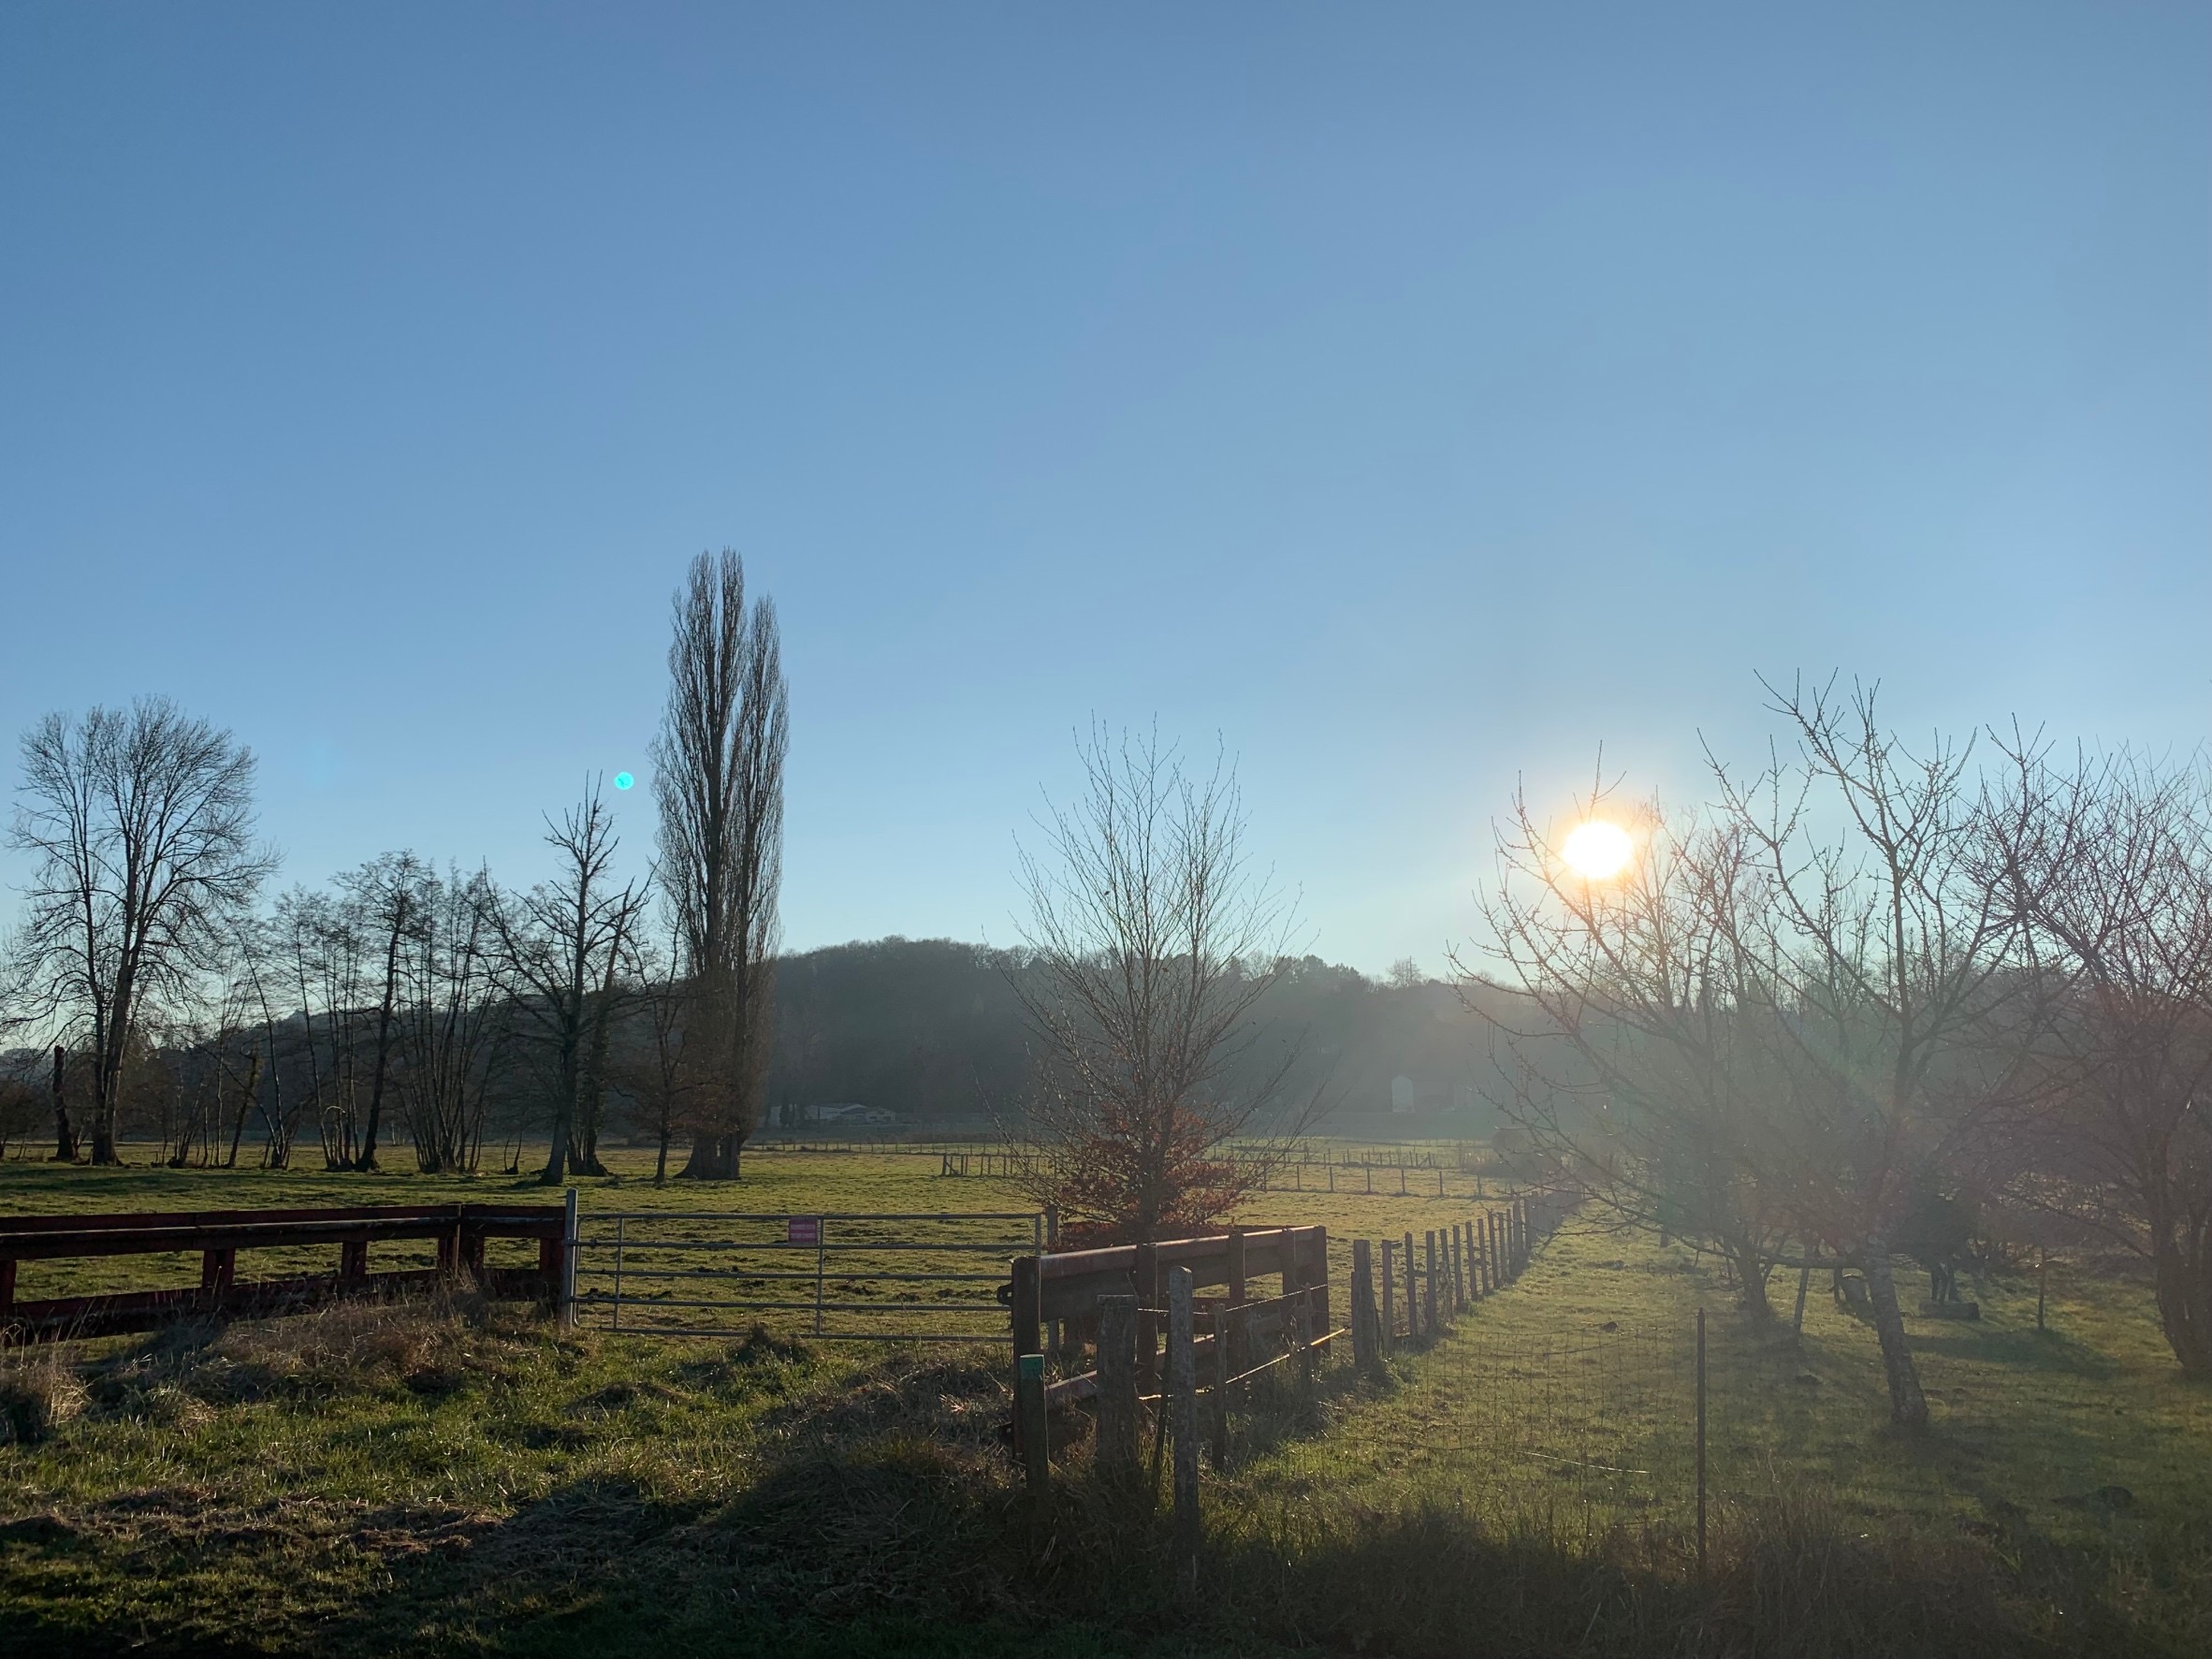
803 1229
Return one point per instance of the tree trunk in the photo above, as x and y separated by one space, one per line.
714 1157
367 1160
1752 1267
1908 1405
661 1168
105 1083
245 1105
65 1138
2184 1287
591 1092
555 1170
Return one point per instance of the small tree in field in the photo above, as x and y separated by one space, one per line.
566 944
1151 939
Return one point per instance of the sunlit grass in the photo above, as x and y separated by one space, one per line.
462 1479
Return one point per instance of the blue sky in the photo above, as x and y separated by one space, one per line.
1415 397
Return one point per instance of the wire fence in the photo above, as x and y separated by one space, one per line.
1458 1388
1600 1425
835 1277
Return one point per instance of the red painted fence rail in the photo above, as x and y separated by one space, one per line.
461 1230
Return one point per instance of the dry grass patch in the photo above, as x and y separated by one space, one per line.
39 1390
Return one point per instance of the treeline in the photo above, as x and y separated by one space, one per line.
402 1000
936 1031
399 972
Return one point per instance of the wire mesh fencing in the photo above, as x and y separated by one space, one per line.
834 1277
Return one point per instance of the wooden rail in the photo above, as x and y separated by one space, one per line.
461 1231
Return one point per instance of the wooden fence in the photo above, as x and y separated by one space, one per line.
1125 1298
460 1232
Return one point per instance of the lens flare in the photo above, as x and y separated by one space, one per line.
1596 849
623 781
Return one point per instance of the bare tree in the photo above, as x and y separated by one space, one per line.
719 781
662 1073
262 974
1905 1011
384 901
140 825
1642 1076
1151 937
318 942
2117 881
453 1022
566 944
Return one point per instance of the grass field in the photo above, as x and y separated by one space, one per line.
464 1479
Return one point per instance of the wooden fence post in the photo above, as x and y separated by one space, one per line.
570 1247
1429 1298
1363 1334
1413 1302
1055 1359
1118 1387
1458 1270
1028 1289
1303 1334
1318 1277
1182 1420
1221 1375
1388 1330
1236 1267
1029 1421
1148 1289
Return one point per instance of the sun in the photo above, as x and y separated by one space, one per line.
1596 849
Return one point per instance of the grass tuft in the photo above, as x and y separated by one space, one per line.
39 1392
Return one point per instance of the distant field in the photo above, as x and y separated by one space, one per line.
467 1481
774 1182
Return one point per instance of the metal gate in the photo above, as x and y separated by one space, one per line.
851 1277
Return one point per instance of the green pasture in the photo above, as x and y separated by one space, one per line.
461 1479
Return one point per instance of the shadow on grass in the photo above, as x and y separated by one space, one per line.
2037 1350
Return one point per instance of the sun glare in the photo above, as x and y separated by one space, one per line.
1596 849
